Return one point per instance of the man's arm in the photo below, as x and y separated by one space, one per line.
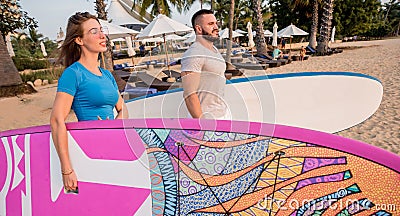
190 83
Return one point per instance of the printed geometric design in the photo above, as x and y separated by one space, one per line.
218 173
161 133
18 154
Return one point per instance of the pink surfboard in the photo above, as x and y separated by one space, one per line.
191 167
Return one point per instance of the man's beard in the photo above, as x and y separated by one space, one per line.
209 37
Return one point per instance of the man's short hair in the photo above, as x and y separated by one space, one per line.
199 13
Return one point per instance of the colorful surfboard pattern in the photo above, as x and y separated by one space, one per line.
190 167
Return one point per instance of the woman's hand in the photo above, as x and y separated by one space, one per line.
70 181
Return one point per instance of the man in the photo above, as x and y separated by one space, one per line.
203 71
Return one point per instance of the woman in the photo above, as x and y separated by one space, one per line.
90 90
302 53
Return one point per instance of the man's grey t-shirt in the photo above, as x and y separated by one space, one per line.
211 66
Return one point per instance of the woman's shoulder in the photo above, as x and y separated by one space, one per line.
75 68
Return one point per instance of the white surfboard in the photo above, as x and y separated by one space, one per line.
324 101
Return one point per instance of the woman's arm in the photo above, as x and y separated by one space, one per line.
61 108
121 108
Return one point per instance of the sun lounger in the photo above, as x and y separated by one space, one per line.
234 72
122 74
268 59
172 73
231 69
131 92
310 51
156 83
271 63
251 66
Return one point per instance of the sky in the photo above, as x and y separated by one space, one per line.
53 14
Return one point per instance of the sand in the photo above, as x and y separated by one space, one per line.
380 58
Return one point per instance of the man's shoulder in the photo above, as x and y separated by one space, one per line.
194 49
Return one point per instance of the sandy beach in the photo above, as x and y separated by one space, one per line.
380 59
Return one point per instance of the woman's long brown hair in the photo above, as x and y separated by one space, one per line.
71 51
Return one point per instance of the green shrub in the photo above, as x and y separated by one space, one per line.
28 63
39 64
48 74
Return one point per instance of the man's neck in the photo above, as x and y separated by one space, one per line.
206 43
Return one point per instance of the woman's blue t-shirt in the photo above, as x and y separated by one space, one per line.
94 96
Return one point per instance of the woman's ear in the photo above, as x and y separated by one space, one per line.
79 41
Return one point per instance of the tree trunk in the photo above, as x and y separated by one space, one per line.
230 27
9 75
106 60
259 39
314 26
322 48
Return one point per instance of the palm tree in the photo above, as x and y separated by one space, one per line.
325 27
106 57
162 6
230 26
259 40
314 26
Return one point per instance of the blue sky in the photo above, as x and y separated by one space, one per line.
53 14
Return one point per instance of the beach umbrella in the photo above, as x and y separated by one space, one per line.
163 26
290 31
131 51
251 43
9 46
275 35
43 48
267 33
190 37
155 39
174 37
240 31
225 34
116 31
333 34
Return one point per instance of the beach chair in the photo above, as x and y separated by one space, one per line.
132 91
231 69
271 61
251 66
172 73
156 83
310 51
